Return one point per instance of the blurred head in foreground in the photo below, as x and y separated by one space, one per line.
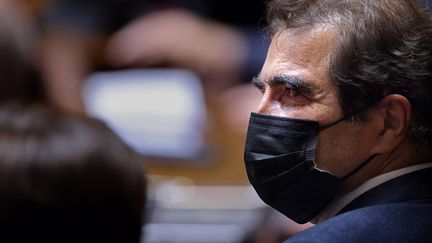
65 178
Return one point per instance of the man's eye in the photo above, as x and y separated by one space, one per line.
293 97
293 92
261 88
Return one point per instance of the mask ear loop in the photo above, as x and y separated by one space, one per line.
367 106
364 108
359 167
330 124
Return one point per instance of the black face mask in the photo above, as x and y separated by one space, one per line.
280 162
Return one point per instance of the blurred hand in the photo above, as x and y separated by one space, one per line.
181 39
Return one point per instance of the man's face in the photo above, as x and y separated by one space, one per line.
295 83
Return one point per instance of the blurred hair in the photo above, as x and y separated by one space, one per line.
384 47
66 178
20 82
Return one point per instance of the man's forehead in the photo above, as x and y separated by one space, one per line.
299 51
305 42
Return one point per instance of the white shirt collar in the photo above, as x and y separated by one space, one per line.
336 206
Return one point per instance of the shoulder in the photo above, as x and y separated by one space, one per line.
402 222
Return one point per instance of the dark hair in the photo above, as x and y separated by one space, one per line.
20 82
384 47
67 178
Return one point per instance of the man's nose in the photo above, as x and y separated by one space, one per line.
268 106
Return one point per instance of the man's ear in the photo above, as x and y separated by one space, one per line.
395 115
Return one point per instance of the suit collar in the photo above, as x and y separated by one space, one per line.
365 192
413 187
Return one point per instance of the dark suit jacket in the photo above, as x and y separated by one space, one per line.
400 210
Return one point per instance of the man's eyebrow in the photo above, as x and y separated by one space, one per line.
294 82
258 83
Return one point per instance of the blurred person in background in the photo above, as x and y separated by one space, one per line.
208 37
343 133
67 178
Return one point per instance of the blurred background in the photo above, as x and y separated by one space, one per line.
172 78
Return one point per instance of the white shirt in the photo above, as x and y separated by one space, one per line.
333 208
